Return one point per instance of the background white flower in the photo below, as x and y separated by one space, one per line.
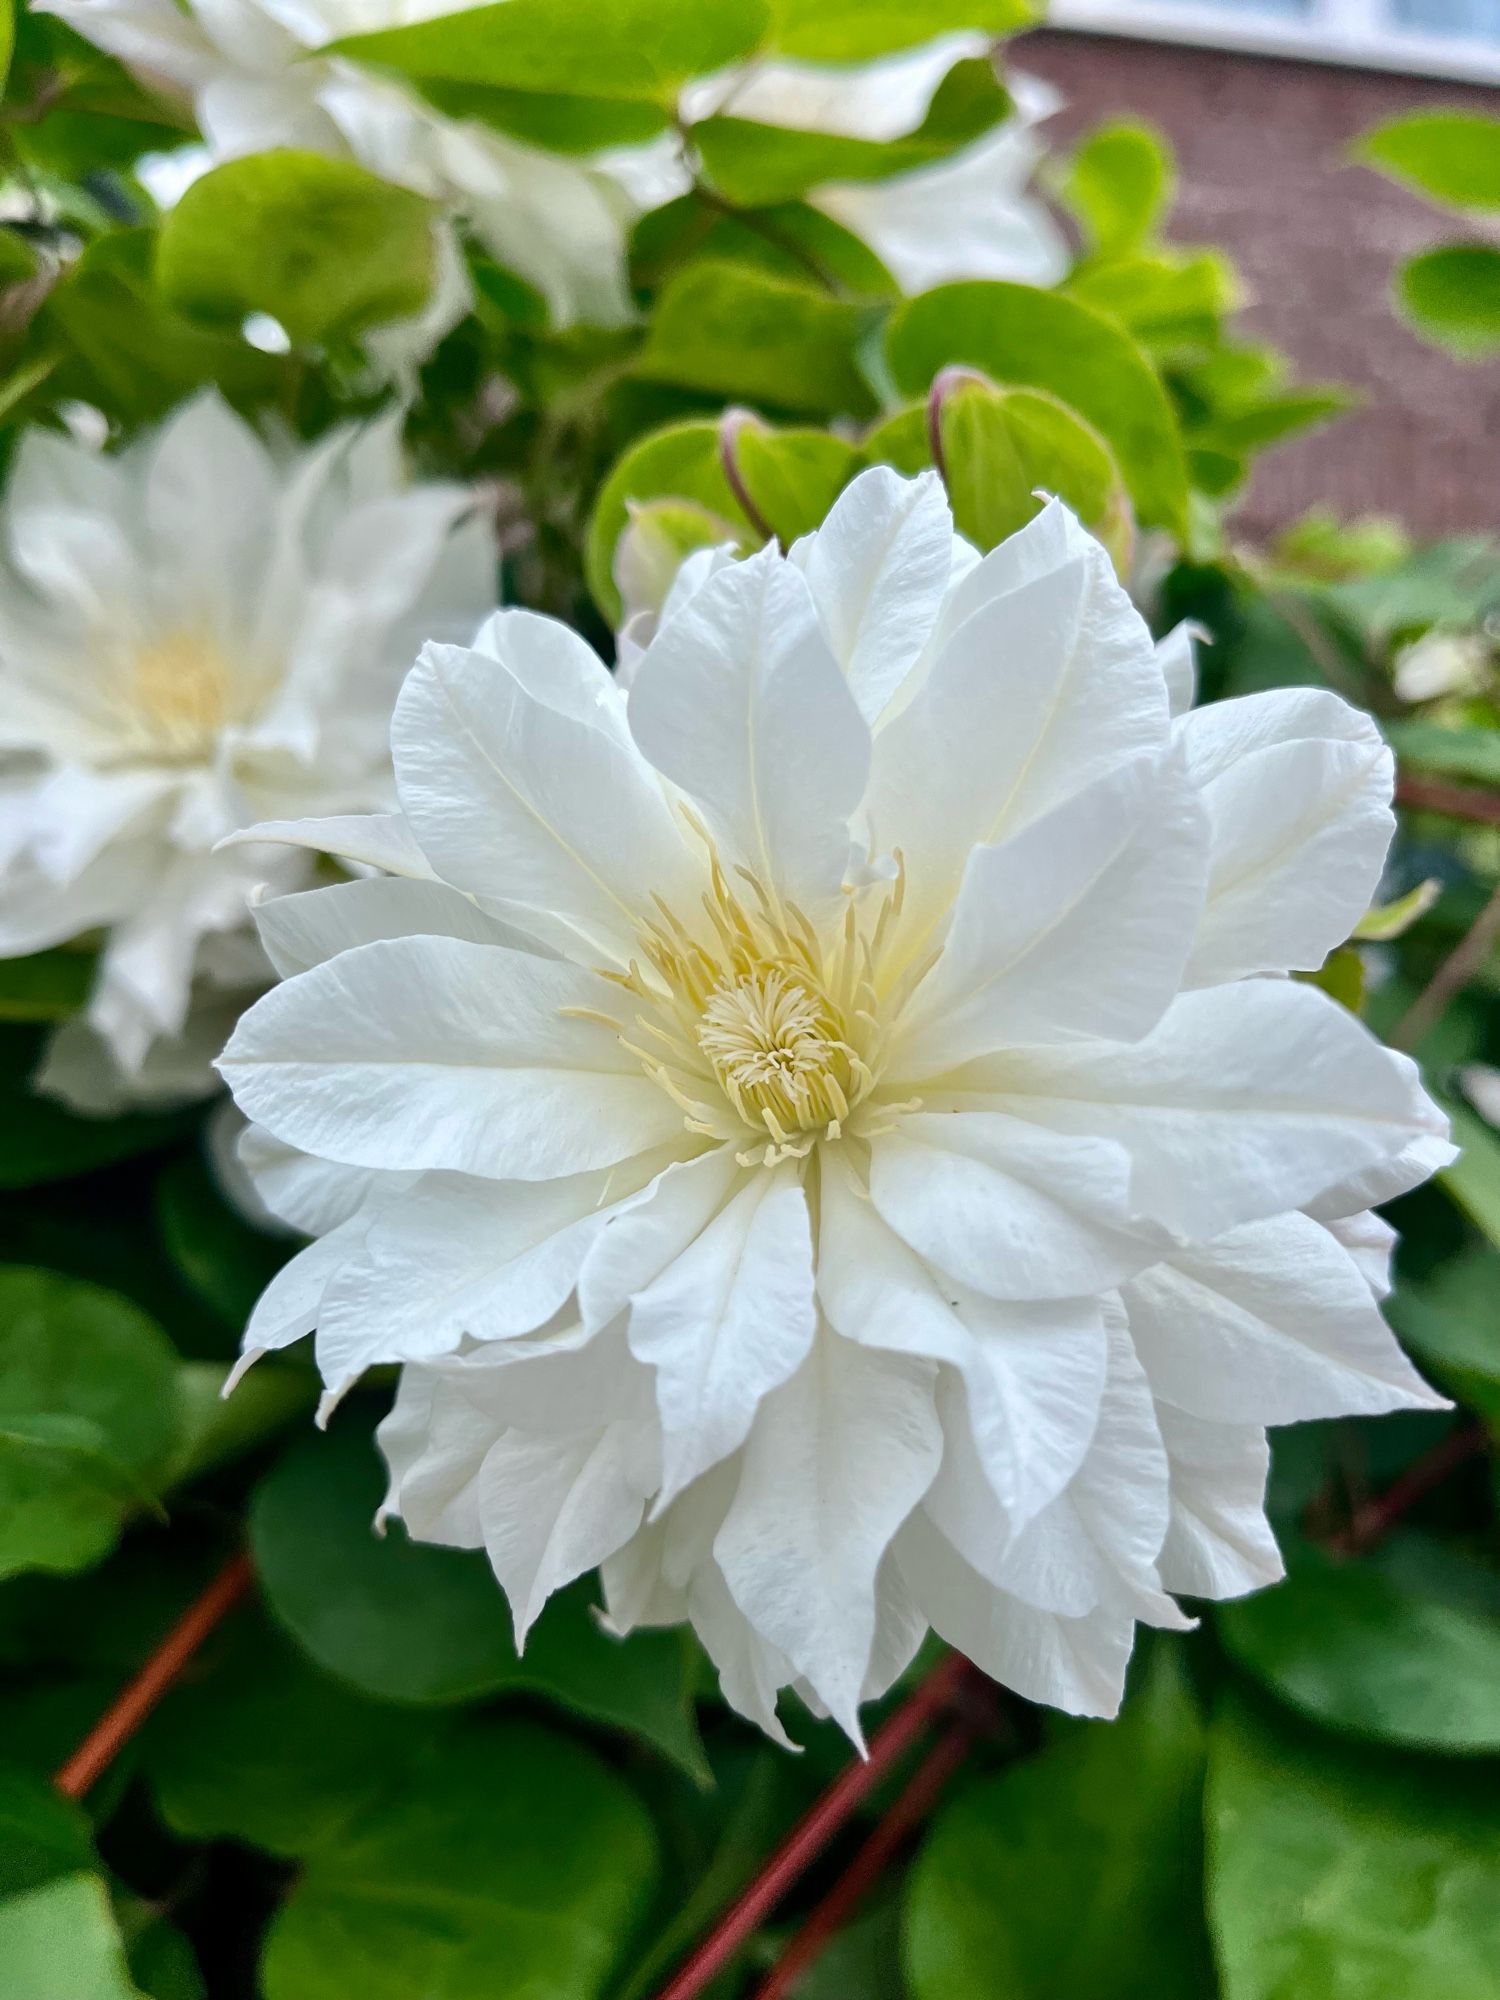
244 67
819 1131
967 216
196 633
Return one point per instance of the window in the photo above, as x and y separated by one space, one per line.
1457 38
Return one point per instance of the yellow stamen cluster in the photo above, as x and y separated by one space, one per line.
180 695
753 1022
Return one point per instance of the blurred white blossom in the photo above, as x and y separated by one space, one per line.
243 68
817 1130
970 215
199 632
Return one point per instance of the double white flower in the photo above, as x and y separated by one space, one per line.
819 1130
194 634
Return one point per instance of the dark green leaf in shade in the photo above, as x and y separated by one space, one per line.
126 349
1363 1651
1336 1875
58 1938
41 1140
511 1864
410 1622
1452 295
1449 1319
49 986
1022 337
320 244
1076 1872
88 1418
224 1260
1469 751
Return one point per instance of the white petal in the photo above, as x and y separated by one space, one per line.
740 702
878 568
1244 1101
311 1195
1369 1242
434 1441
289 1306
434 1052
1043 680
836 1460
1079 926
1032 1376
750 1668
552 1508
644 1235
1273 1323
1076 1664
730 1318
379 840
1415 1163
530 804
1219 1542
1012 1210
302 930
454 1257
1176 657
1298 790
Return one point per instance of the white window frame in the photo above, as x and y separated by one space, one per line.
1360 34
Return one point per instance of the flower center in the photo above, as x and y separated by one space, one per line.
778 1050
180 695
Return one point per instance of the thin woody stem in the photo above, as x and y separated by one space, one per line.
134 1703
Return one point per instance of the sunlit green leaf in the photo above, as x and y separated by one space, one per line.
320 244
856 30
1453 296
1119 183
1453 156
1025 338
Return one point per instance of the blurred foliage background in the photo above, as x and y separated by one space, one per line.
359 1788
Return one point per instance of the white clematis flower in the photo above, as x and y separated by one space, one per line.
968 216
245 68
884 1192
194 634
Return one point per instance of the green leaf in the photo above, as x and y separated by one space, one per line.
49 986
7 37
217 1430
1448 1319
682 463
789 240
1119 183
1359 1651
557 122
645 49
58 1939
511 1865
1001 445
126 350
1173 302
1473 1180
320 244
758 165
835 31
1075 1872
1466 751
41 1141
791 477
1350 1879
410 1622
742 334
88 1417
224 1260
1025 338
1453 156
1384 921
1453 296
266 1749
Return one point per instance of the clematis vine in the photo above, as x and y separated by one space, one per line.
196 633
828 1133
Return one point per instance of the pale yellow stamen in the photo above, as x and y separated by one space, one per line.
181 694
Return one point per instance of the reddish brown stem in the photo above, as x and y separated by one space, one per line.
812 1834
891 1833
1371 1523
134 1703
1458 801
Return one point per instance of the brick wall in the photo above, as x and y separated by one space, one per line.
1261 145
